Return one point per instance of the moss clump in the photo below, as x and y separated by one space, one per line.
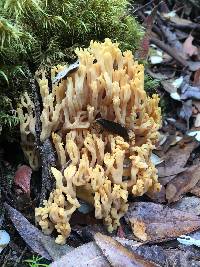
36 32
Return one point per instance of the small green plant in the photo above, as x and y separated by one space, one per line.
36 262
150 84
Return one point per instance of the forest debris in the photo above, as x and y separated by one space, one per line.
197 121
4 239
55 251
175 159
22 178
27 231
188 48
170 51
45 149
153 253
188 241
188 204
182 183
66 71
196 134
159 197
86 255
196 80
176 257
196 190
188 91
186 111
156 222
155 159
118 255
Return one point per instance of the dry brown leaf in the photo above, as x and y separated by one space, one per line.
175 159
27 231
156 222
158 197
182 183
196 80
118 255
86 255
196 190
22 178
188 48
180 21
188 204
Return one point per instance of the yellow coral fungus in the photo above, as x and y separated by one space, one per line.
92 164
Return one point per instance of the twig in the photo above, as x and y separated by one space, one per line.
142 7
45 149
169 50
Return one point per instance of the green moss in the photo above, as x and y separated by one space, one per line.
37 32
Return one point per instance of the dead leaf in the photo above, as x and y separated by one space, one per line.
118 255
86 255
55 251
22 178
156 222
178 258
197 121
180 21
153 253
188 204
188 48
182 183
196 190
196 80
175 159
27 231
158 197
186 111
193 65
188 91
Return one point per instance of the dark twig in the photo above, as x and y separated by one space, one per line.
142 7
45 149
169 50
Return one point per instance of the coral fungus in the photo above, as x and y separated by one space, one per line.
97 165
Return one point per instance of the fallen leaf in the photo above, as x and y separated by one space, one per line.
196 190
22 178
175 159
158 197
156 222
193 65
86 255
66 71
153 253
155 159
197 121
180 21
178 258
4 239
196 80
31 235
188 91
118 255
182 183
55 251
188 204
188 241
188 48
156 59
196 134
186 111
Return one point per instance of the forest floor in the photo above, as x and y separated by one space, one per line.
171 218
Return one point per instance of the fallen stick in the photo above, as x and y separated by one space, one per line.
169 50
